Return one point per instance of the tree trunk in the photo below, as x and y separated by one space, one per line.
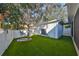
28 32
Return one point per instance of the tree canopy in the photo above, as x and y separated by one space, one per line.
30 13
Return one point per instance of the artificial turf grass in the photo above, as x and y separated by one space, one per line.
42 46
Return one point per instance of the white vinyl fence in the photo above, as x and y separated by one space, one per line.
5 40
66 31
7 37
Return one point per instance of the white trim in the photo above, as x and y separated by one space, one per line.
77 50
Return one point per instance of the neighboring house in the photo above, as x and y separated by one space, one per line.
54 30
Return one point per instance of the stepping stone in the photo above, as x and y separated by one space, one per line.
24 39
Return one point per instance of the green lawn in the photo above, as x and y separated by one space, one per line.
42 46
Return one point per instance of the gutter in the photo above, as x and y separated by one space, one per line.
49 22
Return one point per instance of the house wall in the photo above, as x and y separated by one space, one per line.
53 32
76 28
56 32
72 8
60 30
73 13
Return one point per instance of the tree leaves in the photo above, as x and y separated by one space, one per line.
35 12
